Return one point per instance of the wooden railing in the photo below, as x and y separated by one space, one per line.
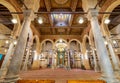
53 81
36 81
86 81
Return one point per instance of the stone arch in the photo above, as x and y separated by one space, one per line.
75 40
37 43
84 43
47 40
110 8
30 35
91 37
63 40
85 53
16 29
36 63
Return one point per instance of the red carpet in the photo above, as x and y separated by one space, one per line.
60 74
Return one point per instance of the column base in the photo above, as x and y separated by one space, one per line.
97 69
24 68
11 79
117 74
3 72
35 65
86 64
53 67
1 80
110 79
68 68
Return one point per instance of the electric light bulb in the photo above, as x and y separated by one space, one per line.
105 42
116 50
6 41
40 21
14 21
114 41
81 20
5 50
60 40
107 21
15 42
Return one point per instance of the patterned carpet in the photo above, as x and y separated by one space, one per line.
60 74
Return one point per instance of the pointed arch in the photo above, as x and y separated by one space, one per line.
47 40
17 26
76 41
91 37
84 43
37 43
109 8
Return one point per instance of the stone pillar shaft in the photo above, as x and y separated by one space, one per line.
96 67
101 48
53 59
69 59
113 56
86 60
27 57
16 60
6 61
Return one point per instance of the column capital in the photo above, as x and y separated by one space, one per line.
92 13
29 14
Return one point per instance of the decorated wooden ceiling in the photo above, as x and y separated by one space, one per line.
61 23
5 19
59 17
115 18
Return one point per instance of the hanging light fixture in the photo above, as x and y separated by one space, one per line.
107 21
14 21
15 42
106 42
81 20
116 50
114 42
60 40
5 50
40 20
6 41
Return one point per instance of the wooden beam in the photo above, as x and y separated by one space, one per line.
48 7
86 30
73 8
74 5
68 31
51 23
53 31
52 37
35 30
67 27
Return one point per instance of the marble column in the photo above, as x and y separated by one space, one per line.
27 57
6 61
73 59
113 56
53 59
86 60
114 59
15 64
107 70
36 62
68 53
96 67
